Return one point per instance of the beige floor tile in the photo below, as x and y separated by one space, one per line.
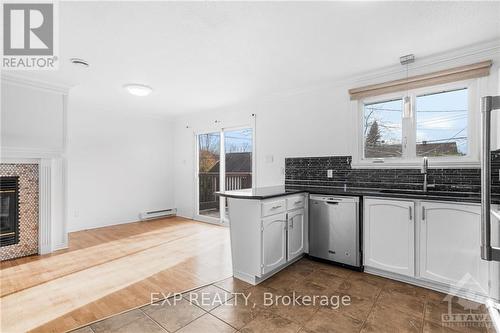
407 289
359 288
259 295
208 297
129 322
430 327
411 305
326 278
369 278
268 322
237 312
300 268
434 312
207 324
326 321
310 288
386 319
358 307
233 285
283 282
336 270
435 296
297 312
174 314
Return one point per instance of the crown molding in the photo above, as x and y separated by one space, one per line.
18 80
456 57
489 50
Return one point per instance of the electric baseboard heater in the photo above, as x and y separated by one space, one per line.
156 214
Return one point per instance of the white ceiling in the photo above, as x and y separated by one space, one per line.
199 55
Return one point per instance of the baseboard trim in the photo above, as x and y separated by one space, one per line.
255 280
443 288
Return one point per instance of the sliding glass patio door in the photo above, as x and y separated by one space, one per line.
225 161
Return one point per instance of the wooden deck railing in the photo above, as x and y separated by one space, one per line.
209 184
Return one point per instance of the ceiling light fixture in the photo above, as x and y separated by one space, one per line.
79 62
138 89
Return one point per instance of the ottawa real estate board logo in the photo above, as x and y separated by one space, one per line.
29 36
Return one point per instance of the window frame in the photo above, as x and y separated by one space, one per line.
409 158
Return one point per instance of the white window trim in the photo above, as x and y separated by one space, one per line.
473 131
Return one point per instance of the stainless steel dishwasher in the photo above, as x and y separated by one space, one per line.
334 229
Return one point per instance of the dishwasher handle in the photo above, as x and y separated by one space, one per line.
332 202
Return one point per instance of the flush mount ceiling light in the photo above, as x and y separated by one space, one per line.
79 62
138 89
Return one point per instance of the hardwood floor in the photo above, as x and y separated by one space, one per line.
110 270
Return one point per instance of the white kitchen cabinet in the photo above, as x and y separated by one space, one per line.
267 235
449 245
389 235
296 233
274 229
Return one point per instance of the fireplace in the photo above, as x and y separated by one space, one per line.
9 211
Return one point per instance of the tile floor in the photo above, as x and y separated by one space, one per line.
376 305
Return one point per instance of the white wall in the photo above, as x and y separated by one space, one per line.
314 121
311 123
32 131
118 165
31 118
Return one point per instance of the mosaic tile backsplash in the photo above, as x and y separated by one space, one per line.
311 171
28 210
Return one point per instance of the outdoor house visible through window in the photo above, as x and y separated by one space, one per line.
440 119
436 127
442 123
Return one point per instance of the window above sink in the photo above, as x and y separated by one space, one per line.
440 122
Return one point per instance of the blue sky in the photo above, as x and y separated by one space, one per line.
440 118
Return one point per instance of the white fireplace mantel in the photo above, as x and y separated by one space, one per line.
52 234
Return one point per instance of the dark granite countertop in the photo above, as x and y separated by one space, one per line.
260 193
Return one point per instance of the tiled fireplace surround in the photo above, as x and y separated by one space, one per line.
42 227
310 172
28 210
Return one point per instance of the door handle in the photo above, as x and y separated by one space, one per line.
410 212
423 213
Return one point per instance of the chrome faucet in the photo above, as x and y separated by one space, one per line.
425 167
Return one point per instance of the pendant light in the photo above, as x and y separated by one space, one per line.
408 107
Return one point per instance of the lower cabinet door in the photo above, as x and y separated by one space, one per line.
273 242
389 235
296 233
450 237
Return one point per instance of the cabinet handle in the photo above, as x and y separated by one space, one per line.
275 207
410 212
423 213
298 202
291 224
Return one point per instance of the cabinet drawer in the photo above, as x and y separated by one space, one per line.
273 207
295 202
